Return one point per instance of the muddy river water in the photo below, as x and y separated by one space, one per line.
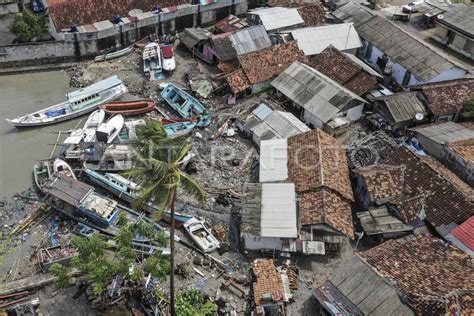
21 148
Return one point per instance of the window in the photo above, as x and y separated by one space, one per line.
406 78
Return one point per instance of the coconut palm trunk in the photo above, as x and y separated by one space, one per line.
172 304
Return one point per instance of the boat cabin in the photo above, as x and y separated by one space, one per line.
99 209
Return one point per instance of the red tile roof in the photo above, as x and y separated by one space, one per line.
317 164
82 12
447 97
237 81
383 182
312 14
230 24
464 148
268 281
427 194
428 272
265 64
465 233
337 66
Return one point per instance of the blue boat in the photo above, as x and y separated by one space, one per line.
179 128
185 104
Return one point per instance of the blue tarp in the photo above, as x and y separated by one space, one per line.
56 113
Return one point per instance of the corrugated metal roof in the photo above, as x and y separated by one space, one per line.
251 210
67 189
273 160
379 221
313 91
250 39
278 217
191 36
94 88
445 132
313 40
278 17
403 106
413 55
262 111
353 12
461 18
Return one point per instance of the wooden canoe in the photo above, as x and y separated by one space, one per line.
129 108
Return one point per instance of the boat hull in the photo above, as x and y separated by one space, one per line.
129 108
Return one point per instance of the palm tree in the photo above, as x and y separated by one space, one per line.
156 168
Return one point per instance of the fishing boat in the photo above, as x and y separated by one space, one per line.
152 60
78 103
112 55
201 235
128 132
169 63
62 167
113 158
186 105
41 173
108 131
129 108
95 119
179 128
80 135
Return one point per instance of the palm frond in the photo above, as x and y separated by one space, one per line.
183 152
146 194
191 187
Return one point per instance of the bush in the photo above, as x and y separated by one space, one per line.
468 114
62 278
26 26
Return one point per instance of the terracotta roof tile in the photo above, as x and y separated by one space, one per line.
268 281
431 274
312 14
324 206
465 233
447 97
317 159
426 194
382 181
464 148
317 164
227 67
334 64
82 12
230 23
238 81
265 64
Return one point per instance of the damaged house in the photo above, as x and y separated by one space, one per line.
323 102
446 99
317 165
257 69
264 123
400 111
412 190
276 18
346 69
452 144
197 41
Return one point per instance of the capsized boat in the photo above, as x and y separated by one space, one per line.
112 55
41 173
201 235
95 119
108 131
62 167
129 108
169 63
186 105
152 60
78 103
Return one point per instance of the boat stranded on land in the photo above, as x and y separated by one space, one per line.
129 108
113 55
108 131
41 173
186 105
78 103
62 167
152 60
169 63
201 235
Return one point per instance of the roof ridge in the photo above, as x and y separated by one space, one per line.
320 158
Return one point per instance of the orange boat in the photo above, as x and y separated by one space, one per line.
129 108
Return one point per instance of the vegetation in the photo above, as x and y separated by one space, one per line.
62 278
468 113
191 302
157 171
27 26
99 266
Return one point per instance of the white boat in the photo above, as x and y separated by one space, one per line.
201 235
95 119
108 131
62 167
152 60
113 55
78 103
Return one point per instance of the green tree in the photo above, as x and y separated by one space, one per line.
26 26
468 113
191 302
62 278
156 168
